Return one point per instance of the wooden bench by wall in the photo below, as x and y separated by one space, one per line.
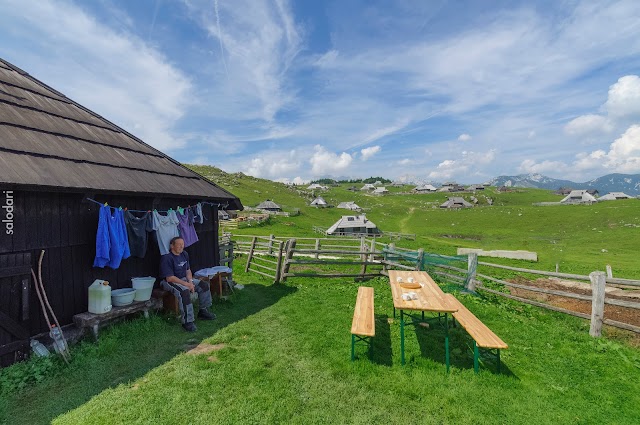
96 321
363 326
483 337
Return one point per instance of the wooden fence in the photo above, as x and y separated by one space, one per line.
467 275
281 258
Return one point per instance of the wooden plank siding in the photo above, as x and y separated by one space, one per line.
65 227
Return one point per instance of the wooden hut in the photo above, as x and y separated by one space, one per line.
456 202
54 154
353 224
269 205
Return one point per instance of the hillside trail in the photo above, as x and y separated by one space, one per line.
403 222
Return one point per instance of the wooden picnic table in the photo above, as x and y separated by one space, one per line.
429 298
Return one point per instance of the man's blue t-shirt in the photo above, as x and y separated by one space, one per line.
174 265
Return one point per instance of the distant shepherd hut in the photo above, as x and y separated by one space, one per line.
564 191
578 197
425 188
475 187
613 196
456 202
380 190
269 205
316 186
368 186
350 205
353 224
54 154
593 192
319 202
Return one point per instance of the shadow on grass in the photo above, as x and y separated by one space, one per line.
126 352
382 353
431 340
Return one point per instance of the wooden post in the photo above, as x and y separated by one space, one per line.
317 248
598 283
609 271
279 266
372 250
291 246
363 257
557 268
250 256
271 239
472 267
419 259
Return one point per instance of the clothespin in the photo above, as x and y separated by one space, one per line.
120 208
106 204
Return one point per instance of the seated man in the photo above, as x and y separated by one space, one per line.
175 271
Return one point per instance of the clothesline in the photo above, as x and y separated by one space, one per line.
224 206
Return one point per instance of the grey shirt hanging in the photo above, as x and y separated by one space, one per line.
137 228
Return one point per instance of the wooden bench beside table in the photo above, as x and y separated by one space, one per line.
482 336
96 321
363 326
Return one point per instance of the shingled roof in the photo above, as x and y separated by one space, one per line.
48 140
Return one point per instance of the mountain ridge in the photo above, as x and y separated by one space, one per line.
615 182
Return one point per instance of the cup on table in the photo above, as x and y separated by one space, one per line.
410 280
399 279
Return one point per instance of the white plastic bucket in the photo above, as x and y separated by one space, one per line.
143 287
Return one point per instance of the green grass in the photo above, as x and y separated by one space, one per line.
287 360
572 236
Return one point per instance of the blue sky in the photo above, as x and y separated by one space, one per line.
296 90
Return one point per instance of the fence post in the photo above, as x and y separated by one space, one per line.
557 267
250 256
598 283
363 257
271 239
317 248
279 266
372 249
289 256
419 259
609 271
472 267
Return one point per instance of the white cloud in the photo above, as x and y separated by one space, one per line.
588 125
529 166
325 162
296 180
624 98
260 42
623 156
470 163
464 137
405 161
367 153
274 164
114 73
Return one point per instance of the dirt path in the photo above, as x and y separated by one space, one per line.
403 222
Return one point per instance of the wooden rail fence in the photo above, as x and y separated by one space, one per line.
280 258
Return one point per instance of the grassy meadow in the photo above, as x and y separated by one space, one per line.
580 238
280 353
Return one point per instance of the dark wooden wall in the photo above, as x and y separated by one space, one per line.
65 226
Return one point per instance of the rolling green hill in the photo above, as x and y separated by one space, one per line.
580 238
